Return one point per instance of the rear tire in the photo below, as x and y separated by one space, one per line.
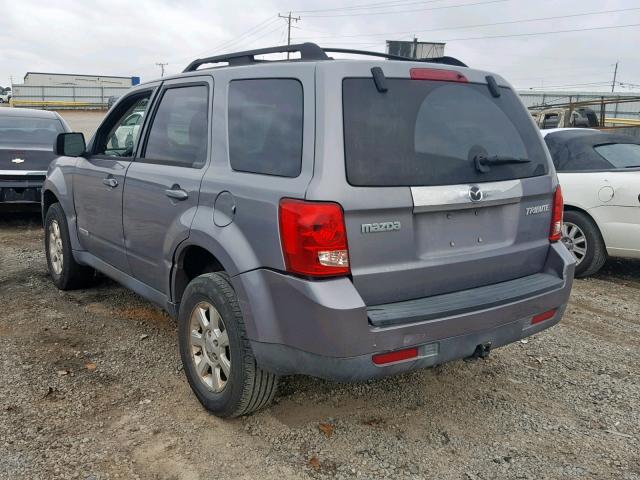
595 255
66 273
215 350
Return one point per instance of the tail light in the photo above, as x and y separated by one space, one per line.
314 238
555 233
437 74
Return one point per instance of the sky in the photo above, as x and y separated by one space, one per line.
548 44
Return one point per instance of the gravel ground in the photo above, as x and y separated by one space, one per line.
91 387
85 121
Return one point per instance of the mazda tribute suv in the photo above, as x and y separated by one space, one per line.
340 218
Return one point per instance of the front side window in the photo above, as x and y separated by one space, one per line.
620 155
265 126
424 133
122 128
179 132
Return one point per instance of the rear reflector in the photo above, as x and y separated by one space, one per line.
555 233
397 356
543 316
313 237
437 74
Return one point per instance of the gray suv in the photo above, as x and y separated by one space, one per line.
345 219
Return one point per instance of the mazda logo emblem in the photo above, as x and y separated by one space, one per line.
475 194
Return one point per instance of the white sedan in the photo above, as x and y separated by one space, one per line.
599 174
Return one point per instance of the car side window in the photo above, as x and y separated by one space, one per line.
179 130
265 126
121 132
551 120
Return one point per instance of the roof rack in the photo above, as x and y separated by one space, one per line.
308 51
443 60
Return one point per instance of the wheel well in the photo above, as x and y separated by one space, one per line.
571 208
48 199
193 261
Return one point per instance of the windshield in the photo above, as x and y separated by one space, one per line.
428 133
620 155
29 132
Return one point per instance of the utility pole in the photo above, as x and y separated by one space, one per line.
289 19
615 74
161 65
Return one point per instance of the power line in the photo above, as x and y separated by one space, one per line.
396 3
615 74
264 35
408 11
485 37
542 33
228 43
478 25
267 23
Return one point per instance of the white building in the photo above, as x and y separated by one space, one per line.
69 90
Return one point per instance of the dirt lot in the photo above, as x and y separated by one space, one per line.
85 121
91 387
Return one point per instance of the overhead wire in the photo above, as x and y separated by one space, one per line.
462 27
391 12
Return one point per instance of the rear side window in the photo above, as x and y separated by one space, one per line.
29 131
428 133
620 155
178 134
265 126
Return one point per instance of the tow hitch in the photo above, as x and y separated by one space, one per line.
481 351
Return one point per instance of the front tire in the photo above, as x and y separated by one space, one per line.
583 239
66 273
216 353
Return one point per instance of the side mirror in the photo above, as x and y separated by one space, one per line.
70 145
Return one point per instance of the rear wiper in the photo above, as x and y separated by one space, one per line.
482 161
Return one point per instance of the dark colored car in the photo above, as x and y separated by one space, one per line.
347 219
26 149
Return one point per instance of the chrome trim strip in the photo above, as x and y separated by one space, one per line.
23 173
456 197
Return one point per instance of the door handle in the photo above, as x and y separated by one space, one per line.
110 182
176 193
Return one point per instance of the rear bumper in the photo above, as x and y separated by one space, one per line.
323 328
21 186
286 360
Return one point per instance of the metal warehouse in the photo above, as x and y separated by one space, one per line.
622 105
65 90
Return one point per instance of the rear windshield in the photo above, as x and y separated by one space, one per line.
27 131
620 155
428 133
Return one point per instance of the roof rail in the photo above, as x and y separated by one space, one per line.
443 60
308 51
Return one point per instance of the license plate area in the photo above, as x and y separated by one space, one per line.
465 230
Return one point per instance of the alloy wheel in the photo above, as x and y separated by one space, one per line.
210 351
56 253
575 240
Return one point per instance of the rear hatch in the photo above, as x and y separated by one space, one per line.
422 218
